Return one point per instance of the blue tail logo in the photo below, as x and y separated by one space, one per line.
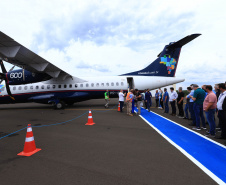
169 56
169 62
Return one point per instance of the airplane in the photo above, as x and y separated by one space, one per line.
42 82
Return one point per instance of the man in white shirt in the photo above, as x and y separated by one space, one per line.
121 99
172 99
221 114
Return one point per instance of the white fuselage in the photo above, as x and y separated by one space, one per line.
93 83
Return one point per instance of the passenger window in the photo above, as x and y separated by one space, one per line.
102 84
87 85
76 85
92 84
37 87
70 86
97 84
112 84
65 86
117 84
81 85
2 89
25 87
19 88
59 86
14 88
54 86
107 84
31 87
122 83
48 86
42 86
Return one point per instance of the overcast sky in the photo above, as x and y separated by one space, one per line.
99 38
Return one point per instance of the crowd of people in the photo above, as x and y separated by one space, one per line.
198 101
202 100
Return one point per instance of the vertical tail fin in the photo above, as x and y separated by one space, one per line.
167 61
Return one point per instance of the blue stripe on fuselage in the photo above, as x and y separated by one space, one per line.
70 95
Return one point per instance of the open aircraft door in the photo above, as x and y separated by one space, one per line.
130 83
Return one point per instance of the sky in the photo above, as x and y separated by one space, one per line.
102 38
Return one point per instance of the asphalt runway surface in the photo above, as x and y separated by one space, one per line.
118 149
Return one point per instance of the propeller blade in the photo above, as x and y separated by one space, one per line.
3 67
11 69
2 77
8 91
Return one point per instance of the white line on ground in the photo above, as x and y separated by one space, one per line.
192 131
208 172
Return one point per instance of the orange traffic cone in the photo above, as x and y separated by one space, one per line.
29 146
118 107
90 119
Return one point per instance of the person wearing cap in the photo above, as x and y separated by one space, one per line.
172 99
191 106
221 106
198 98
209 107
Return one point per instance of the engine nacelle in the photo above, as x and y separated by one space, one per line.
18 77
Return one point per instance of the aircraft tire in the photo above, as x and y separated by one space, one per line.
60 105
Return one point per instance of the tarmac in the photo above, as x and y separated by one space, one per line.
118 149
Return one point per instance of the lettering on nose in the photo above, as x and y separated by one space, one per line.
16 75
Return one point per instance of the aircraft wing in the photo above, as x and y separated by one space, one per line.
18 55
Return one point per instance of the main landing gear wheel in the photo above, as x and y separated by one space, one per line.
60 105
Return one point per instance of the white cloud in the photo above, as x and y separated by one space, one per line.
115 37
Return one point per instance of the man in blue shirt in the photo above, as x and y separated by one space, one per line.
166 100
156 98
191 105
148 97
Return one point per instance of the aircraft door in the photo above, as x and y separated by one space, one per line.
130 83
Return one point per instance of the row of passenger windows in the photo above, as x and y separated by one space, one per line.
66 86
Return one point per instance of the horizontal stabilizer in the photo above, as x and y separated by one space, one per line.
183 41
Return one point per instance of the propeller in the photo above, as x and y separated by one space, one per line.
3 77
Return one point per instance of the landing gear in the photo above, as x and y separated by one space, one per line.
59 105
